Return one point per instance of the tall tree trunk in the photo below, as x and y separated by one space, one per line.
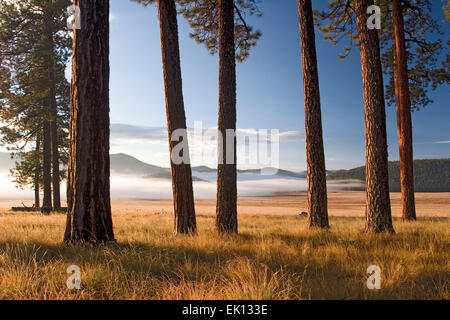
54 133
47 166
36 176
403 102
89 204
378 208
183 195
315 158
226 209
55 167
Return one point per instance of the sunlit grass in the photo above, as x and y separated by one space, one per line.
273 257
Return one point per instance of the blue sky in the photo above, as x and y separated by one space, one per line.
269 90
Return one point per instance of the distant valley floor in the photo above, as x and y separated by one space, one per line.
341 203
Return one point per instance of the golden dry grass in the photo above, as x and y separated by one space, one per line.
273 257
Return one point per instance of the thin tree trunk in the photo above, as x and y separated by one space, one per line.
54 134
404 126
55 167
183 194
47 166
89 205
36 176
315 158
378 208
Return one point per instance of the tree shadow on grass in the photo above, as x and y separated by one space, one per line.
322 279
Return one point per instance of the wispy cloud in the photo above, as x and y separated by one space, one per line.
291 136
141 134
442 142
138 134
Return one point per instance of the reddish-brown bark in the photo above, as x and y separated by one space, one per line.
403 104
89 205
183 195
315 158
226 208
378 208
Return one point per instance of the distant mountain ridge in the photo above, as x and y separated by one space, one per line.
122 163
430 175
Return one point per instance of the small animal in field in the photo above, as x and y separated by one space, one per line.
303 214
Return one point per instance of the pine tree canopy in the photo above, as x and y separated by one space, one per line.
428 58
202 16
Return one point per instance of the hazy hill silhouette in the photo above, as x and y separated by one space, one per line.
430 175
125 164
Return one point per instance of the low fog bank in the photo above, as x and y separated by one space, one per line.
136 187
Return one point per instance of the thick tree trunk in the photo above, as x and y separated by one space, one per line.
226 210
378 208
36 177
89 205
183 195
47 167
404 126
54 136
315 158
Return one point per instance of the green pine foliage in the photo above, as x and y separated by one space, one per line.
32 31
202 16
428 58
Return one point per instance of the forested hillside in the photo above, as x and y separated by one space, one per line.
431 175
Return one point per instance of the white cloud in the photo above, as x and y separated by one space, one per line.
138 134
208 136
291 136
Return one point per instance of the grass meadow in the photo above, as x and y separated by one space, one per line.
273 257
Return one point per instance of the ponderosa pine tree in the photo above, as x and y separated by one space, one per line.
182 189
183 194
226 208
403 105
315 158
55 17
221 27
89 204
378 208
421 51
203 17
410 58
32 32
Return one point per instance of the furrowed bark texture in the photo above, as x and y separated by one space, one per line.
378 209
315 158
183 195
226 209
403 103
89 207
